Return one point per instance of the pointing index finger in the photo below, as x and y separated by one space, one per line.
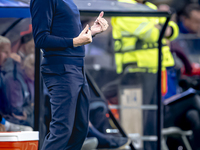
101 15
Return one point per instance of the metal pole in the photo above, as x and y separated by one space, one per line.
37 91
159 94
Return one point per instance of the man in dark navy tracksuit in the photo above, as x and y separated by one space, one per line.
57 30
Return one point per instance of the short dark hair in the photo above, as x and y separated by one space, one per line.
189 8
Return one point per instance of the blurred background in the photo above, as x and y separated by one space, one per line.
121 65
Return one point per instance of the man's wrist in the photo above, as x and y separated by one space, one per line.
76 42
93 34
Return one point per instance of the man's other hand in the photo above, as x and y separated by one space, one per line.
85 37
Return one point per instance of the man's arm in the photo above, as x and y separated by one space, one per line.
42 12
150 32
42 16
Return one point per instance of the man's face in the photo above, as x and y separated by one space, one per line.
4 53
193 22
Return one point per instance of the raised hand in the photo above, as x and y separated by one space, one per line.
100 25
85 37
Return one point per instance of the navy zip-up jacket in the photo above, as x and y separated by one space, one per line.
55 24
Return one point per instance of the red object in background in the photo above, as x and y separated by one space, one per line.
23 145
115 112
28 31
164 86
27 140
195 70
107 115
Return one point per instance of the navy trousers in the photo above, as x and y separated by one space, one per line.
69 91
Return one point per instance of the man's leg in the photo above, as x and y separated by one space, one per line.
81 122
64 84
